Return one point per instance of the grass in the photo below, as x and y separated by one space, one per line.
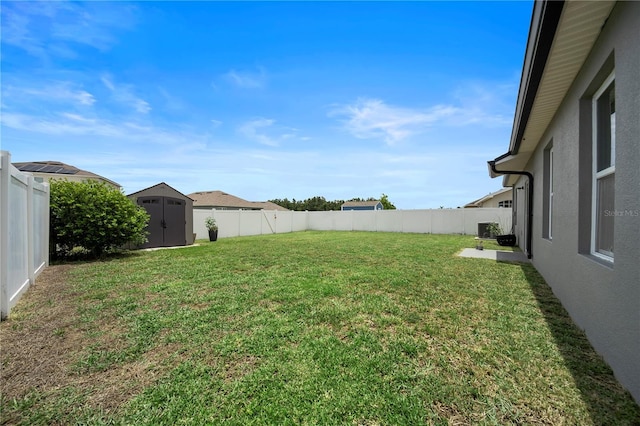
305 328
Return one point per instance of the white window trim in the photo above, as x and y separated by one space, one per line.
551 193
602 173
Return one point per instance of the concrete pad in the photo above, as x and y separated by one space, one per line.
497 255
169 248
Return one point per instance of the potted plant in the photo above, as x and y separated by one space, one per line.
502 239
212 227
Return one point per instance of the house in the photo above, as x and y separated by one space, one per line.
362 205
171 216
574 161
222 201
500 198
44 171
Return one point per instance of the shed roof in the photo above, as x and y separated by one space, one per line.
161 184
58 168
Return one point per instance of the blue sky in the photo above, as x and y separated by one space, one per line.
269 99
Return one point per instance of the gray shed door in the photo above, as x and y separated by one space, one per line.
167 223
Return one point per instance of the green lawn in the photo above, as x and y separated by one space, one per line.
324 328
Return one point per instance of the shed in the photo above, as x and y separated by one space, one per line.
362 205
171 222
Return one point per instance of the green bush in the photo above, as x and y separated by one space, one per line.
93 217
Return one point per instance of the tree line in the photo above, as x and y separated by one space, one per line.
320 203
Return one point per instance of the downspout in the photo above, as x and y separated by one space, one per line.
492 164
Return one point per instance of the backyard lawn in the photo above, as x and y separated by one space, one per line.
326 328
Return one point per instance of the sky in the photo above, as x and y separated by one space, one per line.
267 100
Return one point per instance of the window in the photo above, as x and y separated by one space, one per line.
603 173
505 203
547 201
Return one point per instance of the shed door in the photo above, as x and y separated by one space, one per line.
174 220
153 206
167 221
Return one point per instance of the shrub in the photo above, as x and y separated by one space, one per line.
211 224
94 217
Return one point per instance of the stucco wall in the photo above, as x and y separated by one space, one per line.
603 299
46 177
493 202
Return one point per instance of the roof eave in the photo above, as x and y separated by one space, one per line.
561 36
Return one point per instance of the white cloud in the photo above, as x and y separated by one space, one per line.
216 123
73 124
62 124
265 132
374 119
171 102
247 80
107 82
254 130
124 94
45 29
55 92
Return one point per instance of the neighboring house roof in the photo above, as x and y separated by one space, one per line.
560 38
56 169
268 205
481 201
222 199
372 203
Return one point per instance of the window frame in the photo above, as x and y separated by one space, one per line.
550 234
597 176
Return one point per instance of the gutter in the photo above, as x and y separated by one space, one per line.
492 165
544 24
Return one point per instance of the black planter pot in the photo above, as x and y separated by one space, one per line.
506 240
213 235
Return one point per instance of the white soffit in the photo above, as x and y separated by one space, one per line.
578 29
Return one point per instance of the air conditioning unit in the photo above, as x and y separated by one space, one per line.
484 230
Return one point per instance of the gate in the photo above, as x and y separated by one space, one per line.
167 221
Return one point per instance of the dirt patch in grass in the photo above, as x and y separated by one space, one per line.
42 328
43 339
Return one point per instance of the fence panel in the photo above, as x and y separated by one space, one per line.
299 222
235 223
319 221
24 232
363 220
416 221
389 220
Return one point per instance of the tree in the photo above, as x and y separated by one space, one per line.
93 216
384 200
320 203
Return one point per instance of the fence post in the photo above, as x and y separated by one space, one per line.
47 228
5 177
30 233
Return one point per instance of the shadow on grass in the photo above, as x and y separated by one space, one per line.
607 401
82 257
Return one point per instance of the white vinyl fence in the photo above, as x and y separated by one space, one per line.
236 223
24 232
